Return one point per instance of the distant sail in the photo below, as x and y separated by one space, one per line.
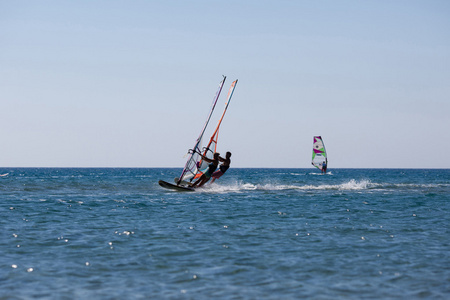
319 154
192 165
209 150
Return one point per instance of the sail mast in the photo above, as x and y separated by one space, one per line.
216 132
212 145
191 164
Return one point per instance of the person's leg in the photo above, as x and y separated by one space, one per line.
205 180
198 180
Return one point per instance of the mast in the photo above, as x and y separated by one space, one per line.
212 145
191 163
216 132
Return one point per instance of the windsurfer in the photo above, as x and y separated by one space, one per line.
213 163
324 167
223 167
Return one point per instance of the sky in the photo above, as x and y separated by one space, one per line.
130 83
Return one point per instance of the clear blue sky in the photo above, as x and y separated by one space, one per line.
129 83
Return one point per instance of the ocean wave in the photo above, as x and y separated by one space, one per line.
321 174
351 185
243 186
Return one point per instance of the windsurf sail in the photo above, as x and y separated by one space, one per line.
192 165
209 150
319 154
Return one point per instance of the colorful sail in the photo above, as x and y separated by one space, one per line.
192 165
209 150
319 154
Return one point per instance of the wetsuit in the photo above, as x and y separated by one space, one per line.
220 172
211 168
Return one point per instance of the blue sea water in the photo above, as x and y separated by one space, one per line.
254 234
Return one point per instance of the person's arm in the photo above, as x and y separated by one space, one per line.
205 158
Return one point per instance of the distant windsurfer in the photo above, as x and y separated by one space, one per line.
324 167
213 163
223 167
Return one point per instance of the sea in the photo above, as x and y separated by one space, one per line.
114 233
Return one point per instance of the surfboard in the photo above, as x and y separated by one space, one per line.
175 187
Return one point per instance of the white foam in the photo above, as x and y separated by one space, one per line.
243 186
351 185
355 185
320 174
219 188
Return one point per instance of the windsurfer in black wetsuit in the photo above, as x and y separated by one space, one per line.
223 167
324 167
213 163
